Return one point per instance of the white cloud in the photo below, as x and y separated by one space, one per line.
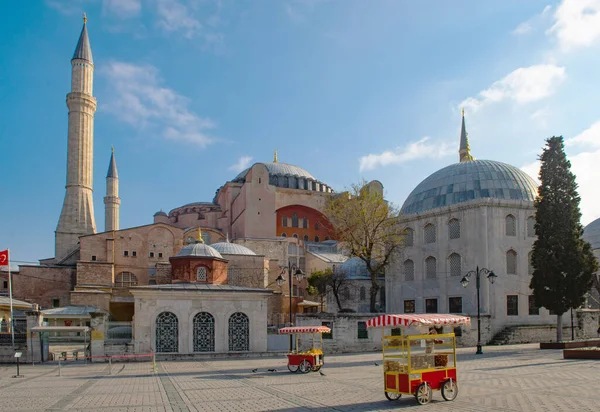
69 8
530 25
242 164
577 23
122 8
140 99
175 16
420 149
540 118
585 167
523 28
523 85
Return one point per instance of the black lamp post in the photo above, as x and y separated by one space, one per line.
465 282
295 271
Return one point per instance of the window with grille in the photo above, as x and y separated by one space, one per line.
455 265
409 237
512 305
430 268
455 304
533 308
363 293
362 330
511 262
125 280
409 270
239 332
409 306
530 267
431 305
530 226
429 233
454 229
201 274
511 226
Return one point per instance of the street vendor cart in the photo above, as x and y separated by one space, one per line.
417 364
311 359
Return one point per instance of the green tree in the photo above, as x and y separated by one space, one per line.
563 263
366 225
324 281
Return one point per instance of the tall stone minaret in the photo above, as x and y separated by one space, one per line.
112 200
77 216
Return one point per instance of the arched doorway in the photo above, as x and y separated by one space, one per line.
204 332
167 333
239 332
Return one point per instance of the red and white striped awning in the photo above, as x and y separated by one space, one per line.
429 319
304 329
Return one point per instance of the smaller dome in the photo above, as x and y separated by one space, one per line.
591 234
160 213
226 248
355 268
199 249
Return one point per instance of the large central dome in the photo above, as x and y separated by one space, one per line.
469 180
278 169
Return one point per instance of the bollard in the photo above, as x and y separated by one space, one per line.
59 367
153 363
110 365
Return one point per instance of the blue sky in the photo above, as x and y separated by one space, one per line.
190 91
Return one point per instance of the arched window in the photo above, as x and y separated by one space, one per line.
346 293
239 332
204 332
317 226
295 235
511 262
306 238
511 225
326 238
305 223
530 226
409 237
429 232
455 264
125 280
283 234
530 267
206 237
294 220
294 290
201 274
363 293
285 182
301 292
430 268
167 333
284 222
409 270
454 229
316 238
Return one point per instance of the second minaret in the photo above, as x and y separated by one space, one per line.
112 201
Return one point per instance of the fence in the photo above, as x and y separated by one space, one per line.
119 332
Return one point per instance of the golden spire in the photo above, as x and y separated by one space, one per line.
275 157
463 112
200 240
84 18
112 149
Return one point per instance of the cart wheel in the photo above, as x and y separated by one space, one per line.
292 368
450 390
316 368
305 366
423 394
391 396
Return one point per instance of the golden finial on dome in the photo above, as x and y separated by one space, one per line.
112 149
275 160
84 18
463 112
200 240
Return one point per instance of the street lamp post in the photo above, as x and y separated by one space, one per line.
299 275
465 282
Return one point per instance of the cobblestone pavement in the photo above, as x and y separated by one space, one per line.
509 378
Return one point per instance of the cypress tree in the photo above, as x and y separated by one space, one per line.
563 262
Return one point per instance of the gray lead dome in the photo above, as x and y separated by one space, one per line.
226 248
470 180
591 234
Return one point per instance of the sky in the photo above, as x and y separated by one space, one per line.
191 92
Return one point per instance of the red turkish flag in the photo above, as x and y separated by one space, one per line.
4 257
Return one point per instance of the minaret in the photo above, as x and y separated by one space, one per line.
112 200
77 216
275 160
464 151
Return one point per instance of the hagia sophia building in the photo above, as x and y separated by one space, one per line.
220 258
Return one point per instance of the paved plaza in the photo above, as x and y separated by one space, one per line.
509 378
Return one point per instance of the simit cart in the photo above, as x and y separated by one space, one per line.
418 364
311 359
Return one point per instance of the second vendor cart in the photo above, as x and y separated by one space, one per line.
311 359
417 364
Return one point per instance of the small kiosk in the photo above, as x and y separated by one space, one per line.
311 359
418 364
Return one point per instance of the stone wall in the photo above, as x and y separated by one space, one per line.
95 274
43 284
99 299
